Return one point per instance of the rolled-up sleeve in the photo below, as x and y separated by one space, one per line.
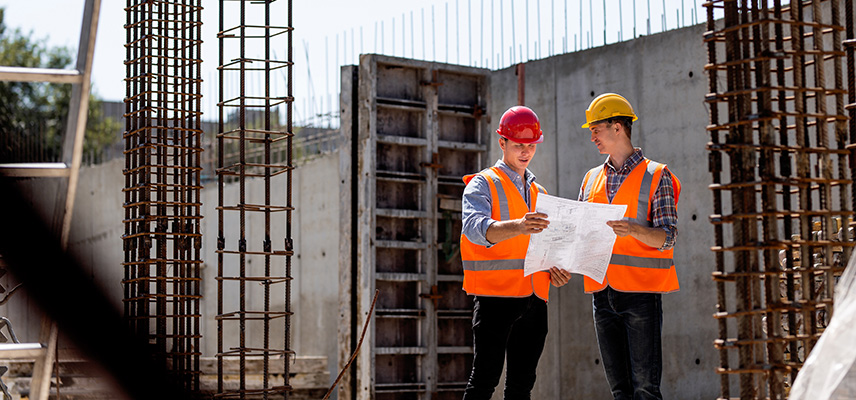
664 212
475 212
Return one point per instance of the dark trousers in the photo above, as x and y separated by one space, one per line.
628 329
512 329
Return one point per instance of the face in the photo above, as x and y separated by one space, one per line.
517 155
605 136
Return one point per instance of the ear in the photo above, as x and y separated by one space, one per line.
501 144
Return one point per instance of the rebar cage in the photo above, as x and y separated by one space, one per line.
162 238
255 325
782 186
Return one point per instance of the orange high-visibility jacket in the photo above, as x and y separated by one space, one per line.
498 270
634 266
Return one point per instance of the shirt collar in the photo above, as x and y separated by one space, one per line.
514 176
630 162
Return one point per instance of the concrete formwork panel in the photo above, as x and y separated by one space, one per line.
412 129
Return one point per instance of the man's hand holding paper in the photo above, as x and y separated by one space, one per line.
578 239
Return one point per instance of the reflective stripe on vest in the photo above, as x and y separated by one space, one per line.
502 200
634 266
498 270
492 265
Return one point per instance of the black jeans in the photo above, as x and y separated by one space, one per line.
512 329
628 329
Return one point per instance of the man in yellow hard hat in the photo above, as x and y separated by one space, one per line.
510 310
628 314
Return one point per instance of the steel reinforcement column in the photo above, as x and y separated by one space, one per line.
255 202
782 185
162 238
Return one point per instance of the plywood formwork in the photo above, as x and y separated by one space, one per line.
415 128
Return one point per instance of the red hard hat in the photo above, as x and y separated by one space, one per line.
520 124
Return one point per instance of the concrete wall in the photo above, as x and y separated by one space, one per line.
663 78
96 240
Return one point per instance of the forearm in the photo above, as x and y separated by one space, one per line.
531 223
654 237
502 230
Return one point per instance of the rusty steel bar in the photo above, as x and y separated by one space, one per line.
715 168
788 216
289 242
162 237
247 139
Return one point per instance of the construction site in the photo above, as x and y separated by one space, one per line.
235 258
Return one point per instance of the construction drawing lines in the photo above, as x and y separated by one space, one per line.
782 186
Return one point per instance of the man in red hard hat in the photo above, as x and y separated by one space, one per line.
510 311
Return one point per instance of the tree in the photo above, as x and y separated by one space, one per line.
33 115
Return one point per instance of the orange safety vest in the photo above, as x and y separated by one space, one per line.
498 270
634 266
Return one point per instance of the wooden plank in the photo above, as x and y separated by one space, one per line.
34 170
208 383
451 205
17 351
255 365
52 75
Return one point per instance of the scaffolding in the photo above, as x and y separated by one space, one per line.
258 270
162 238
782 192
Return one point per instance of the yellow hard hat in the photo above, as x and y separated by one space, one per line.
606 106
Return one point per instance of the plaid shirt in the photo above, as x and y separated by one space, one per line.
664 211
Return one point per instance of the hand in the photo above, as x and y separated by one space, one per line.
533 222
559 277
622 228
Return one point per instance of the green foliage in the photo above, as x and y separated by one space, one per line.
33 116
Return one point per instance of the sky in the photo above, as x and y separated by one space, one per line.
329 33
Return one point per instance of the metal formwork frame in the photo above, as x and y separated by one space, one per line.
163 145
256 310
415 129
785 214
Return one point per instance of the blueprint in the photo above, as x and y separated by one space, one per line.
577 240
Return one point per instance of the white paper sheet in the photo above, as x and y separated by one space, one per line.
577 240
